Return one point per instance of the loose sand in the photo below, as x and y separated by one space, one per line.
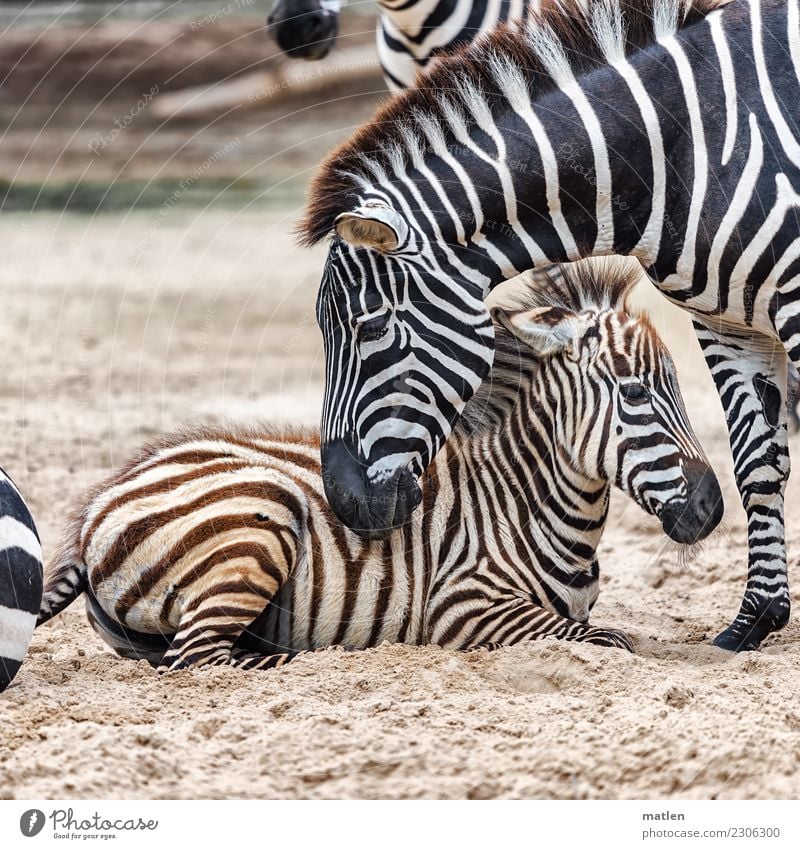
117 330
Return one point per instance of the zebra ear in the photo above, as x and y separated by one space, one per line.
547 330
372 225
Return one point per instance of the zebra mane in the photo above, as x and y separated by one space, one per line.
594 284
559 38
598 284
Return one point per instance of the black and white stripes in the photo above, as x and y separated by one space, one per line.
20 579
661 129
217 546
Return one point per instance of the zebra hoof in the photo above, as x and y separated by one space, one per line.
731 639
748 635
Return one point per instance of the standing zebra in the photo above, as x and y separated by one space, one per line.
660 129
20 579
410 35
224 541
410 32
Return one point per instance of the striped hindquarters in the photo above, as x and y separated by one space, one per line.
20 579
190 542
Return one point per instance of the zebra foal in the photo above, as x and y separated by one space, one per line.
223 540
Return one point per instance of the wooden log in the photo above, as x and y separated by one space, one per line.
288 81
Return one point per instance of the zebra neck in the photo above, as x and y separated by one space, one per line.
417 21
521 467
576 172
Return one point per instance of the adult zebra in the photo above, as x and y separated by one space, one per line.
410 32
216 546
20 579
584 131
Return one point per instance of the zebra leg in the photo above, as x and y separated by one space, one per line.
218 607
508 624
207 636
749 371
210 626
249 660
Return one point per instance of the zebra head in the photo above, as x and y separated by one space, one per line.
402 357
305 29
613 402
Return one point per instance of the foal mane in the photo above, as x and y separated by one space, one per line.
597 284
591 284
558 37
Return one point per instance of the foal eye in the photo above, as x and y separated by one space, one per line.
373 328
635 393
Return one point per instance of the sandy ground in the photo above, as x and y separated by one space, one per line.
115 330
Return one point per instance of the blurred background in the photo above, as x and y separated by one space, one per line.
107 106
154 162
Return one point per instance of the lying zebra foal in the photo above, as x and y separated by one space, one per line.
223 540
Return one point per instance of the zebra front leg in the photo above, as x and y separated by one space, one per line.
250 660
750 372
511 622
219 605
205 640
209 630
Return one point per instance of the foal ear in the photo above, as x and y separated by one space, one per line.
547 330
373 225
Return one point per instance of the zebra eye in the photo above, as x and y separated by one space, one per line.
373 328
634 393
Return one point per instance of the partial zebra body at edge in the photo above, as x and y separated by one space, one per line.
20 579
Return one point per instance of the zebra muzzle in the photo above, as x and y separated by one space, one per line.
372 509
303 29
691 519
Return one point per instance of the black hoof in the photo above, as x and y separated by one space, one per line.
747 633
731 639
